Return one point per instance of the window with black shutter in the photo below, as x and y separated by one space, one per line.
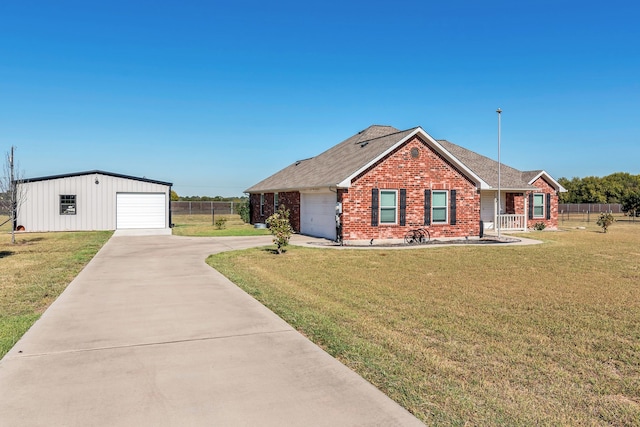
452 207
530 205
403 206
374 207
427 207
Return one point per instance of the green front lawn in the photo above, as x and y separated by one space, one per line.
34 271
473 335
204 225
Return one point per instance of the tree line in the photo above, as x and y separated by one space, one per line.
619 187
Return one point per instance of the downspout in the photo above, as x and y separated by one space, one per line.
170 210
526 209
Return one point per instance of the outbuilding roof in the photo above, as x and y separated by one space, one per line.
338 165
94 172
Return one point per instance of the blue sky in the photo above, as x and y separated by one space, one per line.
215 96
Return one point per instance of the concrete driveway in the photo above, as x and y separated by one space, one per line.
149 335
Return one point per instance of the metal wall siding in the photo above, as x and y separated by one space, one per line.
95 203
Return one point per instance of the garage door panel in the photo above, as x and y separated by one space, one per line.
317 215
140 210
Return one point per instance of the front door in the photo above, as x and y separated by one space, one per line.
510 204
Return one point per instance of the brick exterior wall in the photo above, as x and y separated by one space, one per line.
516 206
545 187
290 199
399 170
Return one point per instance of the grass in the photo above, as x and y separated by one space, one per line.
34 271
203 225
474 335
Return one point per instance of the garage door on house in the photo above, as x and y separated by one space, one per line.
318 215
140 210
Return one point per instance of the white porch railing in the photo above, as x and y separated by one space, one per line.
512 222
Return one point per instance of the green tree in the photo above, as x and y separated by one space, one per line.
244 210
609 189
631 202
571 186
591 190
174 196
280 228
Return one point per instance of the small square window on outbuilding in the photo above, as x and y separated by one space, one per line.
67 204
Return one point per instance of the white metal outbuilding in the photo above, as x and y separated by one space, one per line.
93 200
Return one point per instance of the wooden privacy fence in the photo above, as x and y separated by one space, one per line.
200 208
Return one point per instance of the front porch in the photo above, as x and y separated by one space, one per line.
512 222
512 210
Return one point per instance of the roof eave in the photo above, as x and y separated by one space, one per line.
555 183
94 172
346 183
511 188
309 188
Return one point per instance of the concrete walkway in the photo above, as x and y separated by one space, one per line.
149 335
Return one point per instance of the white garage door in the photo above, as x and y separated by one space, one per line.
140 210
318 215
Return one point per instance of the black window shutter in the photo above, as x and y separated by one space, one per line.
452 207
530 205
374 207
403 206
548 205
427 207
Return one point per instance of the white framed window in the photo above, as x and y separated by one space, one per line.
262 204
388 206
67 204
275 202
538 205
439 206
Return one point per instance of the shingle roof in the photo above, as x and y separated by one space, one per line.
335 164
487 168
341 161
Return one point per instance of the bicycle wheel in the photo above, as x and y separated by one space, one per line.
409 238
424 236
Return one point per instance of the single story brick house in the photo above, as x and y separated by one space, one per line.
383 182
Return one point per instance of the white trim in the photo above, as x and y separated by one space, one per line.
446 207
396 209
346 183
559 187
544 207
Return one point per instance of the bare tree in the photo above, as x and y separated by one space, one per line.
12 194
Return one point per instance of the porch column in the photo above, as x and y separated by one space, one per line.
496 216
526 210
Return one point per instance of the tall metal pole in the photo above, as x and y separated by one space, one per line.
499 111
12 197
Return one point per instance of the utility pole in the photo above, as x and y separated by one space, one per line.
499 111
